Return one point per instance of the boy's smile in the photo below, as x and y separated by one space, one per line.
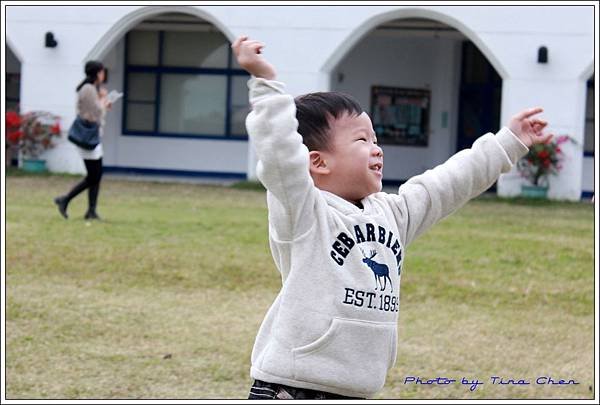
377 168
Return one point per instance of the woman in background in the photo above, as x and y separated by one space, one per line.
92 105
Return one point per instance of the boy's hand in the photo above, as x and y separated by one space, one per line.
527 129
247 53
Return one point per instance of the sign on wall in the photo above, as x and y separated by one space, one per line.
400 116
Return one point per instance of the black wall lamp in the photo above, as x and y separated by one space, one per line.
50 41
542 54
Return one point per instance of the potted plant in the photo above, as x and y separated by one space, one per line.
541 161
33 133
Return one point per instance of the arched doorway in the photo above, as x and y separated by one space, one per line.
184 98
429 89
12 96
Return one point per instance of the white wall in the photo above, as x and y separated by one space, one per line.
49 75
563 102
307 42
421 63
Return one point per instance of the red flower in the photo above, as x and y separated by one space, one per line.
14 136
543 160
32 131
13 120
55 129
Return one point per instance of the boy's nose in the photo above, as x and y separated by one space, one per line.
377 151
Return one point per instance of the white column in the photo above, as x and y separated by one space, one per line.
563 101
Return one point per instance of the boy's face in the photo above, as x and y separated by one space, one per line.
354 159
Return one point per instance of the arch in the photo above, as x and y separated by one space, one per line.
360 32
121 27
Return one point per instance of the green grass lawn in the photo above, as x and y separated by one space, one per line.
164 297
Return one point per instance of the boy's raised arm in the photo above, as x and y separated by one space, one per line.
283 165
425 199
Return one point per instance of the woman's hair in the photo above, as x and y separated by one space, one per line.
91 72
314 112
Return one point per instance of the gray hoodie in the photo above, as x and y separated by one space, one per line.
333 325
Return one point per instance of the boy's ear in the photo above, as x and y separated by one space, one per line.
318 163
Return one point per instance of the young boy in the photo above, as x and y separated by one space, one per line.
337 240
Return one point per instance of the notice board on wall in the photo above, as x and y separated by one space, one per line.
400 115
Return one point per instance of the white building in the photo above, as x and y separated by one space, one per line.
464 70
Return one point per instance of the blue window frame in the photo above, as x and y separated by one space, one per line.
160 73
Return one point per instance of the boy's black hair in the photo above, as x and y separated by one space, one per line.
314 112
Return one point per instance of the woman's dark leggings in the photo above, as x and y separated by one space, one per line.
91 182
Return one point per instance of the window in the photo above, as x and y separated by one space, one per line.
184 84
589 141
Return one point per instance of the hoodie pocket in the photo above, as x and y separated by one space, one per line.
352 355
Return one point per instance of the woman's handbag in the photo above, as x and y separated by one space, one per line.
85 134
